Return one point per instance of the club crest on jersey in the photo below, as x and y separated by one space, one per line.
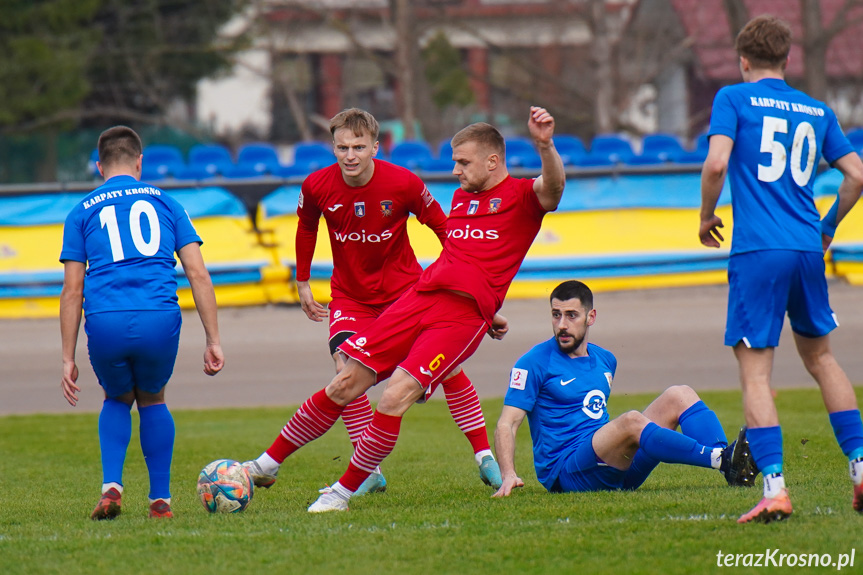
473 207
359 209
494 205
300 203
387 208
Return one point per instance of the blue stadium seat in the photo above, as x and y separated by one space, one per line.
313 156
570 148
855 136
608 149
213 158
442 162
658 149
696 155
162 161
245 170
520 153
410 154
259 157
198 172
92 170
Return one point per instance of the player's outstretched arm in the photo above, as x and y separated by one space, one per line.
205 303
549 186
314 310
504 447
849 192
71 302
712 180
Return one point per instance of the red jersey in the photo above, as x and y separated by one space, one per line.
488 235
373 259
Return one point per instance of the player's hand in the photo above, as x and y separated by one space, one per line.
214 359
825 242
68 383
509 483
540 125
709 232
499 327
314 310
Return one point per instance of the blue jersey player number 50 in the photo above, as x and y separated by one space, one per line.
778 153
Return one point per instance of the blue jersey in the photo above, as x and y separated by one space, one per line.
565 400
127 232
780 135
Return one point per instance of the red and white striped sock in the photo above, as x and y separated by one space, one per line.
311 421
357 416
464 406
377 442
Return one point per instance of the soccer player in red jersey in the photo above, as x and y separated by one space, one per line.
366 203
439 322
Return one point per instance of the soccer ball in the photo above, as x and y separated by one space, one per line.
225 486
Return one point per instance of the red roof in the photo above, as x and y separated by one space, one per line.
706 23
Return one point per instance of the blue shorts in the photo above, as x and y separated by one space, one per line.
584 471
133 349
764 285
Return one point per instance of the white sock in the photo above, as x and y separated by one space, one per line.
107 486
856 468
773 485
716 457
480 454
342 491
268 465
165 499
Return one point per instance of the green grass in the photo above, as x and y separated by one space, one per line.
437 517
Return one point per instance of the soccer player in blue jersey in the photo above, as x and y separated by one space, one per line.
562 386
768 138
118 256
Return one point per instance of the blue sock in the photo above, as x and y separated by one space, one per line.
157 443
766 446
848 429
701 424
115 431
642 465
672 447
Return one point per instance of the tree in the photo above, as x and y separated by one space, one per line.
44 51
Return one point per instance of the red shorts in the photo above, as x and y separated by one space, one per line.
427 334
349 316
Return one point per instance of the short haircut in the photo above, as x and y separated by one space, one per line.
486 135
765 41
119 145
573 289
357 121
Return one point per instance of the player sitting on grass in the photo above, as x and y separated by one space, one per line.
562 386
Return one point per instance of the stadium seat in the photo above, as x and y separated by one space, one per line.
260 157
245 170
696 155
92 170
520 153
313 155
442 163
658 149
570 148
212 158
855 136
606 150
410 154
161 161
197 172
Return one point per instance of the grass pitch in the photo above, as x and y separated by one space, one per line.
436 517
